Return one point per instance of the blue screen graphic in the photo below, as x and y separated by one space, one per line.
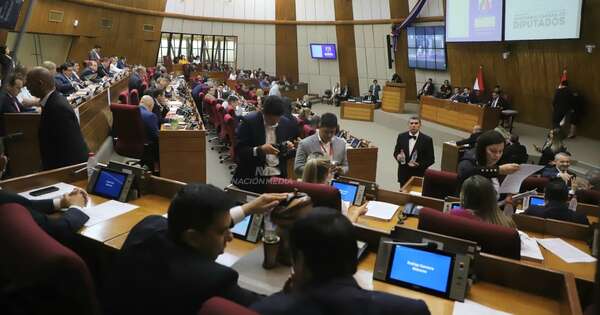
241 228
347 191
422 268
536 201
323 51
109 184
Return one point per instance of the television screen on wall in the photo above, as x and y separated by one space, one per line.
323 51
9 13
542 19
474 20
426 47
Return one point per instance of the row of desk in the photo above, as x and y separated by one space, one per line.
517 287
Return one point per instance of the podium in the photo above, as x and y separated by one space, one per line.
393 98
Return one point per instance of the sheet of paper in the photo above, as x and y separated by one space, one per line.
227 259
415 193
469 307
530 247
381 210
63 188
107 210
512 182
565 251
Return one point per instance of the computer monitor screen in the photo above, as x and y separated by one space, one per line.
347 191
536 201
323 51
9 13
425 269
241 229
474 20
426 47
109 184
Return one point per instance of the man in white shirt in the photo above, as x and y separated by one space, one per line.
275 89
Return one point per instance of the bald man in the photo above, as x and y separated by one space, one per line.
151 125
61 141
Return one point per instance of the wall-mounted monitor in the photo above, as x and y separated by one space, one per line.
9 13
426 47
542 19
474 20
323 51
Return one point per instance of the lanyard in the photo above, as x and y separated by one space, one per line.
330 149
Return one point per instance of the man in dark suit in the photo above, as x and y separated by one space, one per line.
497 101
95 53
60 138
7 64
62 79
137 79
9 103
413 151
562 104
560 169
167 266
514 152
264 141
426 89
325 259
150 124
375 88
472 139
104 68
556 195
90 73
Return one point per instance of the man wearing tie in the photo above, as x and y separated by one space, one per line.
95 53
413 151
9 102
497 101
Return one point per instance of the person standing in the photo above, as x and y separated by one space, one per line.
375 88
562 104
413 151
94 54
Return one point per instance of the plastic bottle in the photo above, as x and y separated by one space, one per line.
413 157
573 203
91 164
402 157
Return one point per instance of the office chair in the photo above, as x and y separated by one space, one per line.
123 97
534 182
221 306
134 97
231 140
439 184
129 134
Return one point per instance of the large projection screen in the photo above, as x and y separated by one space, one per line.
542 19
474 20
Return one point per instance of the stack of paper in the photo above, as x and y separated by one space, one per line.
381 210
565 251
106 210
469 307
530 248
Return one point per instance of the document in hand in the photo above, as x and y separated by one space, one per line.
565 251
512 182
381 210
106 210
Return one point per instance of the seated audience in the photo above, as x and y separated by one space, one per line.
426 89
455 97
150 124
103 68
369 98
9 103
232 76
114 68
75 75
445 90
25 97
122 62
556 196
472 139
560 168
90 73
554 144
285 81
94 54
324 252
50 66
136 80
264 83
478 200
160 108
514 152
497 102
275 86
476 97
63 79
465 96
593 178
167 266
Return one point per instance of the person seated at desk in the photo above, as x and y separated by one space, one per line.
122 62
324 255
50 66
275 89
369 98
62 79
476 97
167 265
556 195
136 80
445 90
151 124
90 73
497 101
560 169
465 96
94 53
472 139
426 89
233 76
514 152
285 81
104 69
75 75
478 200
232 101
160 108
264 83
9 101
554 144
396 78
324 141
455 95
483 159
375 88
114 68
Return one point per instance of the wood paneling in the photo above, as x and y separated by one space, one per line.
531 73
399 10
126 36
286 41
346 46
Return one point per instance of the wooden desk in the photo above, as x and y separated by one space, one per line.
357 111
295 91
394 95
450 157
183 155
95 121
219 76
461 116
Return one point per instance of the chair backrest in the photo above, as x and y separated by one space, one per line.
38 268
589 196
221 306
534 182
128 130
123 97
144 88
493 239
322 195
439 184
307 130
134 97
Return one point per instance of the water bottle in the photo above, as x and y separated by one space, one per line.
413 157
91 164
573 203
402 157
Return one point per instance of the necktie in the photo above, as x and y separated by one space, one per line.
412 137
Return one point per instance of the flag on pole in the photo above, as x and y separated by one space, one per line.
479 85
563 77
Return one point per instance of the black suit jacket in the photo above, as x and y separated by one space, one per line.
514 153
135 82
426 90
339 296
103 72
61 141
425 156
470 141
250 134
557 211
8 104
154 275
502 103
90 75
61 228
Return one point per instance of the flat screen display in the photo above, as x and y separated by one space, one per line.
424 269
323 51
241 229
536 201
110 184
474 20
542 19
9 13
347 191
426 48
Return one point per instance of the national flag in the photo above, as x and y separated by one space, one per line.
479 85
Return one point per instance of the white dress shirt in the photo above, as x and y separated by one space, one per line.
326 148
274 90
272 159
411 142
114 69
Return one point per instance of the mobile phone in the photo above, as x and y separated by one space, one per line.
43 191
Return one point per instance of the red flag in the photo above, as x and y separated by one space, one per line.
479 85
563 77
